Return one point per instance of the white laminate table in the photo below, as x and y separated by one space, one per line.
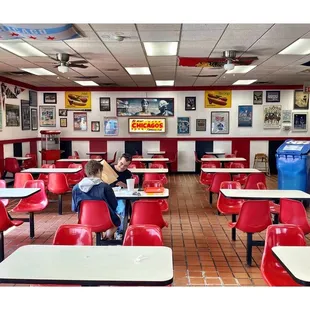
295 259
215 153
78 160
150 159
268 194
125 194
230 170
89 265
22 158
51 170
17 193
96 153
156 152
224 159
147 170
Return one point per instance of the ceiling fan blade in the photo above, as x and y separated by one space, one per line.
53 58
56 66
77 66
78 62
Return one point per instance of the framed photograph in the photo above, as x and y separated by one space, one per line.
190 103
104 104
183 126
34 119
12 115
63 112
50 98
80 121
47 116
33 98
300 121
301 100
110 126
95 126
220 122
146 107
245 115
218 99
201 124
78 100
63 122
25 112
272 116
273 96
258 97
286 116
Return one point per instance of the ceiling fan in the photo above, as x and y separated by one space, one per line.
64 63
118 36
228 61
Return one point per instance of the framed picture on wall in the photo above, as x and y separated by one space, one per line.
300 121
63 122
258 97
25 112
110 126
201 124
272 116
50 98
47 116
220 122
95 126
63 112
33 98
183 126
80 121
301 100
34 119
286 116
12 115
245 115
273 96
104 104
190 103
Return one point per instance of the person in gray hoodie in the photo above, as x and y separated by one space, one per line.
93 188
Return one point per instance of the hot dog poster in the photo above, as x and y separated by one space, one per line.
218 99
76 100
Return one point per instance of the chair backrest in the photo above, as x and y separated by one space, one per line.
114 157
57 183
158 156
143 235
152 177
11 165
73 235
237 165
96 215
73 157
280 235
21 178
196 158
156 165
79 174
253 179
147 212
38 198
208 165
230 155
217 179
136 177
95 157
293 212
62 164
3 185
30 163
254 216
208 156
224 204
48 166
261 185
137 156
5 222
76 154
215 164
133 165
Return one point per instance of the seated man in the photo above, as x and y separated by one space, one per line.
123 174
93 188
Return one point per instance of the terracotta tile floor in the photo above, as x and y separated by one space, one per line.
203 253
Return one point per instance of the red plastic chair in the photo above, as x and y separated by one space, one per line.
62 164
73 157
5 224
206 178
274 207
76 154
158 156
157 165
164 206
96 215
217 179
242 177
147 212
253 179
34 203
73 235
279 235
11 165
229 206
197 160
293 212
5 202
30 163
208 156
228 164
58 184
133 165
44 176
155 177
143 235
254 217
21 178
96 157
137 179
111 161
74 178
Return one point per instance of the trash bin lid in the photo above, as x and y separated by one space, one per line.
294 147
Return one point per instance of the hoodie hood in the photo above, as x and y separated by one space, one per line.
87 184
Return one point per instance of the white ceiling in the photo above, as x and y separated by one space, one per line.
107 57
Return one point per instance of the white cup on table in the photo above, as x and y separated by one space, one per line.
130 185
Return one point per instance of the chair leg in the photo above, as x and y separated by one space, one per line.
249 249
1 246
98 238
233 230
31 223
210 198
60 204
276 219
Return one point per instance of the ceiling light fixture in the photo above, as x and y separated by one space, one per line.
63 69
21 49
244 82
229 66
240 69
161 48
299 47
164 82
38 71
87 83
138 70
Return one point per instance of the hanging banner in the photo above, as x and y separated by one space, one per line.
212 62
218 99
138 125
44 32
9 91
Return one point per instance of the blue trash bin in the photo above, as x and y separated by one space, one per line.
293 164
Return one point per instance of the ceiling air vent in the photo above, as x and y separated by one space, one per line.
87 77
107 84
261 83
307 64
205 76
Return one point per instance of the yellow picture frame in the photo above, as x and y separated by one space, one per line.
218 99
77 100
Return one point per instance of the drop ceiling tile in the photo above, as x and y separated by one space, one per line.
205 35
281 60
249 26
133 62
164 76
125 49
187 82
287 31
196 48
188 70
130 36
159 27
94 48
113 27
162 60
83 27
159 36
203 27
163 69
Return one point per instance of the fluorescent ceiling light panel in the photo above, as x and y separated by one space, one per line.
244 82
38 71
138 70
240 69
299 47
87 83
164 82
21 49
161 48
